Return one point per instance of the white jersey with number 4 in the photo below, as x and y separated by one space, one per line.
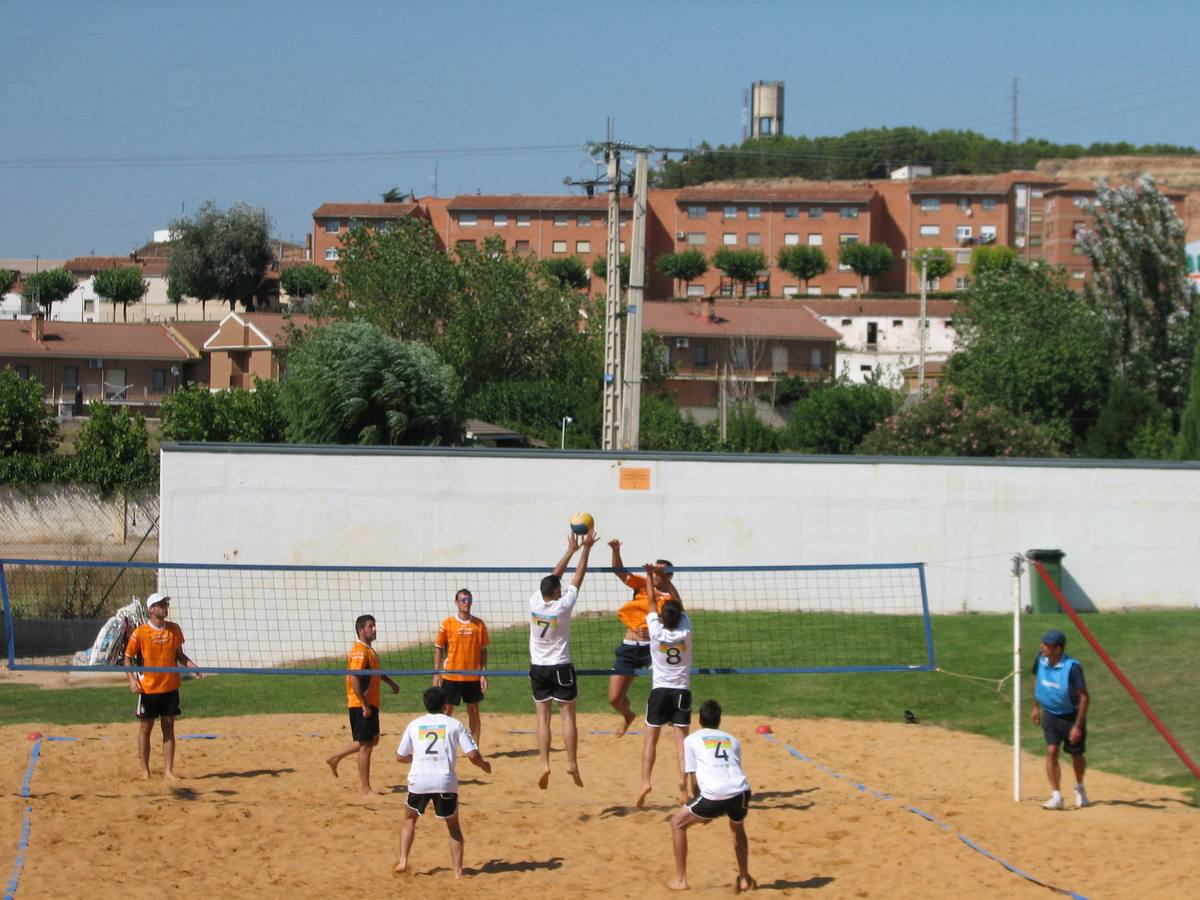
550 628
434 742
670 653
716 758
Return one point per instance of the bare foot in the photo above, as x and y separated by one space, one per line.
744 883
145 776
170 776
628 717
370 795
641 801
458 873
332 762
676 884
575 776
544 781
400 867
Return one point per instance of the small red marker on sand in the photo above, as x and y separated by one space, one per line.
764 729
33 735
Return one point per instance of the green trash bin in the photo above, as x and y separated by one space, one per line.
1042 600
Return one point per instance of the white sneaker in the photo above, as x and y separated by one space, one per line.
1055 802
1081 798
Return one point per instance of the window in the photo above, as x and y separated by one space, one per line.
333 227
791 212
847 291
730 212
791 240
521 248
1081 202
695 290
814 358
847 322
963 232
696 238
523 220
987 234
741 356
753 212
331 253
158 379
872 334
930 204
960 283
814 292
583 246
70 375
815 212
848 212
464 243
962 257
697 212
964 204
791 290
560 246
1077 227
897 323
702 354
23 372
729 239
1077 250
561 220
621 246
500 219
1035 242
934 285
468 220
89 305
1078 275
931 230
583 219
815 240
949 323
753 239
987 203
847 238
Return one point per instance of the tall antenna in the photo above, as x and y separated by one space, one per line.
745 115
1016 130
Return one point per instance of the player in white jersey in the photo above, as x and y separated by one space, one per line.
670 700
432 744
713 760
550 671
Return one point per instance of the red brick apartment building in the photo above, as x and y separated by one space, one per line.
332 220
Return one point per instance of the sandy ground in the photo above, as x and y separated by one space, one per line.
259 814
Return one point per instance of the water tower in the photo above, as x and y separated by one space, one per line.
766 108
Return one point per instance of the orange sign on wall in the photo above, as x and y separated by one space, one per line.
635 479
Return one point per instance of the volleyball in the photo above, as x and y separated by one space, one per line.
582 523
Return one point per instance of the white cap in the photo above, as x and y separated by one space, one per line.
157 598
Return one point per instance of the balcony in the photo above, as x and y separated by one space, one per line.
73 399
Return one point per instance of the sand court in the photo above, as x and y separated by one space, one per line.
841 810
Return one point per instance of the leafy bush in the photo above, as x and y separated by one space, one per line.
835 419
26 425
235 416
113 450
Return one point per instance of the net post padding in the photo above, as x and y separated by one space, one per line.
1115 669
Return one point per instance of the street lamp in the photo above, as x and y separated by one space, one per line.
564 422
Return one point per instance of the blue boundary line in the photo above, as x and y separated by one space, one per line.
945 826
14 878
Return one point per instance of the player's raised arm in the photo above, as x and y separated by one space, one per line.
588 541
618 564
572 547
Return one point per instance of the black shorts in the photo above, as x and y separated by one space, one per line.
462 691
734 807
1057 730
362 728
553 683
669 706
151 706
630 657
444 805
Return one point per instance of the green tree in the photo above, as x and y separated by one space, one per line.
866 261
194 413
836 418
664 427
685 266
395 195
742 266
47 288
221 254
949 423
7 277
1127 419
1136 246
397 278
26 425
992 258
1030 345
600 268
938 262
1188 446
350 383
113 449
804 262
745 432
567 270
304 282
123 286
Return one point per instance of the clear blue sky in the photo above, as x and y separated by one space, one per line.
100 101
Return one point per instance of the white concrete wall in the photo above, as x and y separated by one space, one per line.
69 515
1129 532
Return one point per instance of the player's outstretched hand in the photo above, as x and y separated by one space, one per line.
572 542
486 766
590 539
615 544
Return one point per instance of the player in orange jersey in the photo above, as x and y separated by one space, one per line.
157 643
462 642
362 698
633 652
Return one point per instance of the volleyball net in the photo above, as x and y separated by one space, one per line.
260 619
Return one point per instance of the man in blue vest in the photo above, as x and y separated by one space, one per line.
1060 705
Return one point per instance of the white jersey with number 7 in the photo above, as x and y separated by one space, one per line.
716 758
550 628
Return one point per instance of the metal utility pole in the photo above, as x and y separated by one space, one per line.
921 326
611 433
631 410
1016 131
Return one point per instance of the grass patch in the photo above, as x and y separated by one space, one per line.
1157 650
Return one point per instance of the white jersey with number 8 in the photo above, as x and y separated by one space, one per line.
670 653
716 758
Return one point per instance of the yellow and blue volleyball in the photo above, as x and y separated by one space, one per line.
582 523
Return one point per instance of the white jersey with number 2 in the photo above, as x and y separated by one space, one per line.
550 628
434 742
670 653
716 758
